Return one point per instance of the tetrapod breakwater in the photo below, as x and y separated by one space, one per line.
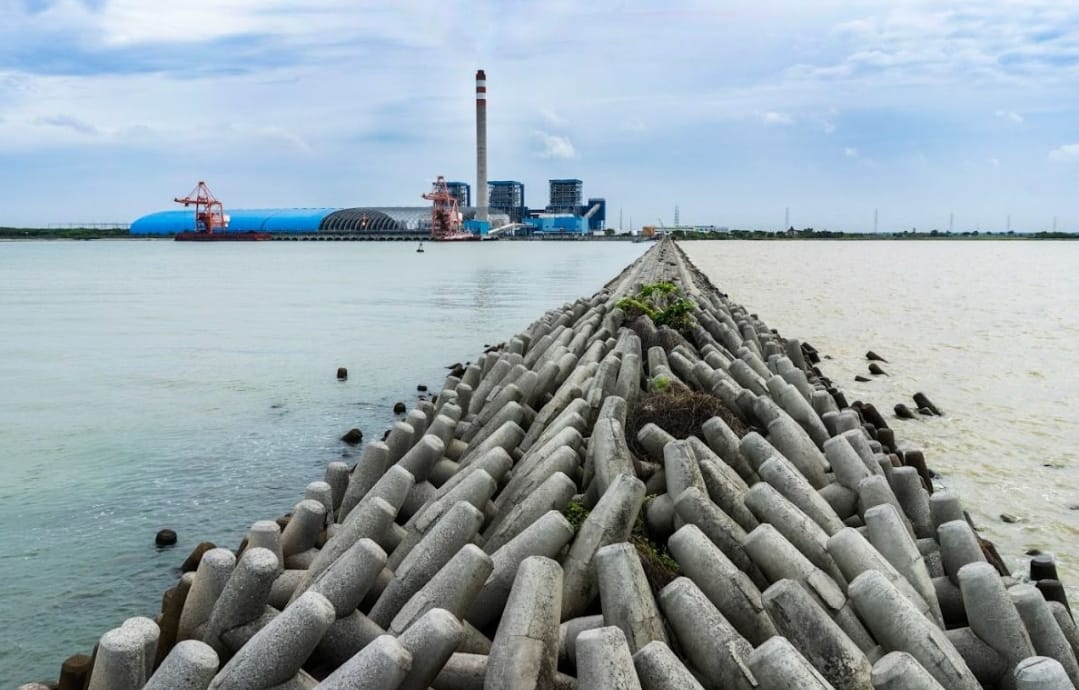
645 488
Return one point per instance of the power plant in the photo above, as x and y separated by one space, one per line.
499 211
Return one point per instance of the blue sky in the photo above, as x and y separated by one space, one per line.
731 111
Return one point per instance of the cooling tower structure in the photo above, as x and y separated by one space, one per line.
481 146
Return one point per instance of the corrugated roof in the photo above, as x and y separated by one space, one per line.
240 220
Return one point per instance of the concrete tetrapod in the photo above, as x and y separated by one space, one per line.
1041 673
276 652
244 597
900 671
658 668
1047 637
725 585
553 494
768 505
778 472
855 555
818 639
992 615
695 508
611 521
958 547
626 597
431 640
777 665
712 644
190 665
456 528
524 653
381 665
210 578
453 588
544 537
120 661
899 626
346 581
888 535
604 661
371 466
795 444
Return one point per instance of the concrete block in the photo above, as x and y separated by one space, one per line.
604 661
524 653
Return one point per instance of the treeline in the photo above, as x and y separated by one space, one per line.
811 234
61 233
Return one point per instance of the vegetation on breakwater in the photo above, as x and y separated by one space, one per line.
63 233
906 235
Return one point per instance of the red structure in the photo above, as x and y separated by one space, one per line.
211 223
445 214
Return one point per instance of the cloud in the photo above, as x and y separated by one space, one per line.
552 118
850 152
1010 116
68 122
774 118
554 146
1068 153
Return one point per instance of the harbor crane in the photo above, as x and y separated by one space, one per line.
445 214
210 215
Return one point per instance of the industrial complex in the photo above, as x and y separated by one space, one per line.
500 210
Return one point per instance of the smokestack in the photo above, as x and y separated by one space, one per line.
481 145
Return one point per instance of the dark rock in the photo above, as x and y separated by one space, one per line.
862 379
165 537
386 435
455 365
916 459
921 401
342 373
1009 518
1073 506
926 412
191 564
903 412
352 436
886 438
421 388
283 521
1032 552
874 357
399 408
875 369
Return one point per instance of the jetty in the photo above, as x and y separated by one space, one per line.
646 488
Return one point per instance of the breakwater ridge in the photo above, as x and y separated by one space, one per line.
646 488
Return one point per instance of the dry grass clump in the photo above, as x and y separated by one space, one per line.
680 412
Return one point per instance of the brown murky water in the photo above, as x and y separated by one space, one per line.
989 330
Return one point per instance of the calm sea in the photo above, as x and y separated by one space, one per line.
989 330
151 384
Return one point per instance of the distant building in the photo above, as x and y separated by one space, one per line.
461 191
566 196
596 213
508 196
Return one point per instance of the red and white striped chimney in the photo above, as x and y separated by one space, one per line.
481 145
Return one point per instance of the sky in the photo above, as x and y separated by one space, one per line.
735 112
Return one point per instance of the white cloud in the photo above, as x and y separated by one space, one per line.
552 118
850 152
1065 154
993 162
774 118
1010 116
68 122
554 146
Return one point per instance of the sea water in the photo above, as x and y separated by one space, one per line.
154 384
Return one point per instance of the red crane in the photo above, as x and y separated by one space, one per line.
210 216
445 214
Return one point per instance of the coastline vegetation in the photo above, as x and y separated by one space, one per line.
62 233
812 234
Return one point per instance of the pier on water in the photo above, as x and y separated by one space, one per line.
647 488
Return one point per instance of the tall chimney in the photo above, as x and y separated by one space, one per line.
481 145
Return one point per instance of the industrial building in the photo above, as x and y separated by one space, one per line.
499 206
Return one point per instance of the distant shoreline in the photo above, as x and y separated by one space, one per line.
76 234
